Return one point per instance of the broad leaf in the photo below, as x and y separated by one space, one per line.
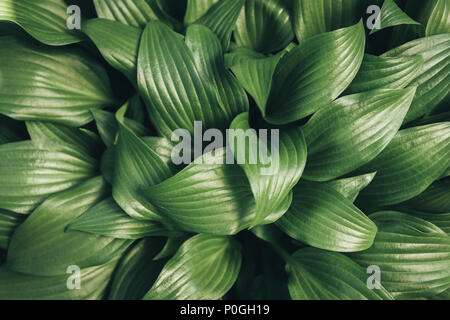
314 73
414 257
413 160
108 219
441 220
264 26
93 284
316 274
438 22
9 221
118 43
321 217
391 15
196 9
385 73
50 84
204 268
350 187
136 271
432 81
40 246
34 169
353 130
436 198
271 182
45 20
313 17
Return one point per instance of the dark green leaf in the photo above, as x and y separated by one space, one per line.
350 187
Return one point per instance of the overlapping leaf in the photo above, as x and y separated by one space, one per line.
50 84
438 22
196 9
436 198
264 26
413 160
350 187
9 221
45 20
316 274
40 246
353 130
204 268
391 15
321 217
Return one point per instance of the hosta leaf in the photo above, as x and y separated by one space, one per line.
436 198
313 17
204 268
40 245
93 283
411 162
172 87
323 218
118 43
316 274
137 166
137 271
84 140
264 26
197 8
385 73
391 15
221 19
314 73
134 13
432 81
45 20
350 187
50 84
441 220
171 246
31 170
270 183
107 161
413 258
208 56
108 219
9 221
353 130
439 21
254 72
207 197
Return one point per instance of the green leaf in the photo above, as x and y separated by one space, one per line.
264 26
385 73
45 20
137 166
208 57
208 196
413 160
436 198
179 95
221 19
196 9
108 219
34 169
350 187
137 271
321 217
18 286
391 15
40 246
84 140
254 72
413 257
271 183
50 84
441 220
432 80
107 162
316 274
171 246
438 22
118 43
313 17
204 268
353 130
314 73
135 13
9 221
